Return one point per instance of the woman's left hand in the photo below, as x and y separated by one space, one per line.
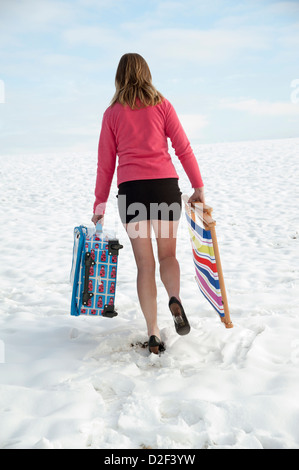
198 195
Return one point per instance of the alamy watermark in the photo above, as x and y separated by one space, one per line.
2 91
295 93
137 212
167 220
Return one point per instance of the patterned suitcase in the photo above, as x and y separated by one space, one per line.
94 272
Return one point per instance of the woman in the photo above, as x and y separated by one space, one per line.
136 127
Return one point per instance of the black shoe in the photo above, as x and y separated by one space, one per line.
179 317
155 345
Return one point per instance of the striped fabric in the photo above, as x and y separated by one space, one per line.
205 265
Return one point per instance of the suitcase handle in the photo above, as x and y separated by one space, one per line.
80 233
99 228
113 247
88 262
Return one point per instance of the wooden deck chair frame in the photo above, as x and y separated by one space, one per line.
204 213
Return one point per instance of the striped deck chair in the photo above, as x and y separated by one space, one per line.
206 257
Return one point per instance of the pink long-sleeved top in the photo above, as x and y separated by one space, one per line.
139 138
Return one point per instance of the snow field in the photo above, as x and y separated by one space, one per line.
69 382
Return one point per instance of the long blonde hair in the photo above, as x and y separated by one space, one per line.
133 80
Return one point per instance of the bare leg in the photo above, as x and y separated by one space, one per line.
146 283
165 233
170 271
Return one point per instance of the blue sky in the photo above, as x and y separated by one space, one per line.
230 68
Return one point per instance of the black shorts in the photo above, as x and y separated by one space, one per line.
153 199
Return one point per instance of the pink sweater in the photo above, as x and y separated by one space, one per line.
139 138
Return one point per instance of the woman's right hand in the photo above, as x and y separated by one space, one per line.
198 195
96 218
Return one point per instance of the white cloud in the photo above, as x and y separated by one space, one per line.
59 59
173 46
20 16
2 92
91 36
200 46
283 7
193 124
265 108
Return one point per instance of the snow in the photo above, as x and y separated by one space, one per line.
77 382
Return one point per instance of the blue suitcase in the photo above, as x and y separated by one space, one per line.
94 272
